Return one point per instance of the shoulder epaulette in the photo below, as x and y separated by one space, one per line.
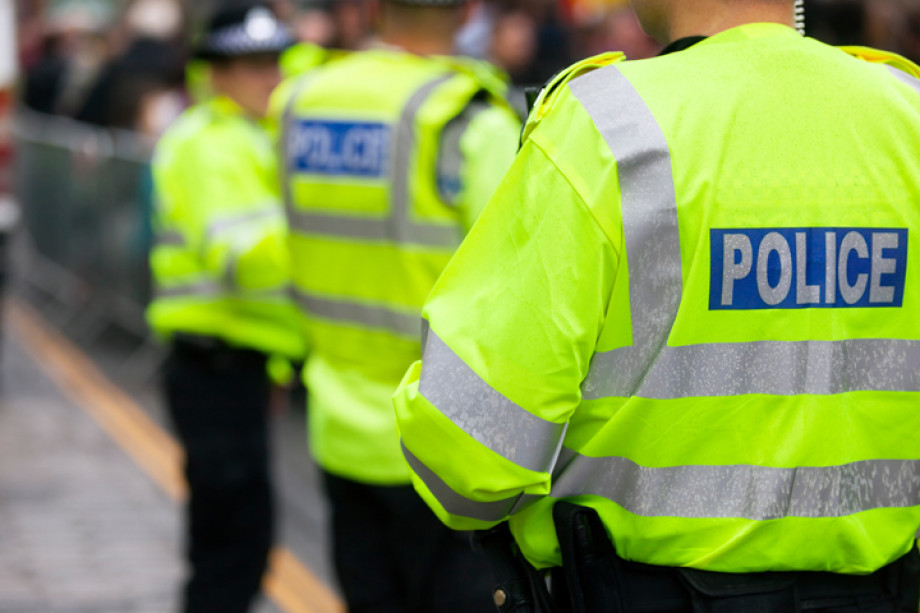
547 97
877 56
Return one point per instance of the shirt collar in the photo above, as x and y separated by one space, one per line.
682 43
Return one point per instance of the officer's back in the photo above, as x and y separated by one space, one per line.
766 206
390 153
714 347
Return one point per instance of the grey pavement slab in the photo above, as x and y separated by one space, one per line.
82 528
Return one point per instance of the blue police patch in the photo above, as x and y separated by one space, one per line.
340 148
798 268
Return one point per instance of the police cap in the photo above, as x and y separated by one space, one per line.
243 29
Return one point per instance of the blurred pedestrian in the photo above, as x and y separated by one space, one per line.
221 275
678 352
390 154
72 54
142 83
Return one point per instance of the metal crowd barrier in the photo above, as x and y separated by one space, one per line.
85 195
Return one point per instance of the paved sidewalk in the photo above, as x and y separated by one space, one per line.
83 529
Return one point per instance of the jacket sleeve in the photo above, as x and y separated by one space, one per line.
231 208
512 325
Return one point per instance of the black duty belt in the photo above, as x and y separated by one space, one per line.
594 579
215 352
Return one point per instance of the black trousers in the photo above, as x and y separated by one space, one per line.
393 555
594 579
218 398
640 588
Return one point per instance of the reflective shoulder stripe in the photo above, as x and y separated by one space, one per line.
401 323
398 227
459 505
285 140
463 397
742 491
404 147
649 209
230 222
903 77
651 369
548 94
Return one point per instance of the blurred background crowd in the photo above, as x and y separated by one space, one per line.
120 63
102 79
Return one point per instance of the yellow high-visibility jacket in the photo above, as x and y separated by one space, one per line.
694 305
388 159
220 263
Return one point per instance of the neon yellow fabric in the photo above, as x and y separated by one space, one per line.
878 56
198 81
787 133
362 282
304 57
544 102
220 263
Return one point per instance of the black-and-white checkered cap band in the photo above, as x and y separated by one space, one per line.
259 33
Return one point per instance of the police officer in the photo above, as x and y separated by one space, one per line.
221 274
684 333
390 153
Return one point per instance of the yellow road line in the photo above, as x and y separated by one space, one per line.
288 582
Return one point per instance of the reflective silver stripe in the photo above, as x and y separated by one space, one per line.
905 78
403 151
230 272
402 323
213 289
206 288
279 293
230 222
485 414
169 238
398 227
740 491
363 228
649 207
284 143
650 368
375 229
455 504
766 367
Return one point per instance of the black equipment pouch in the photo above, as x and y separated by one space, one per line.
597 580
519 587
594 579
728 593
591 576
